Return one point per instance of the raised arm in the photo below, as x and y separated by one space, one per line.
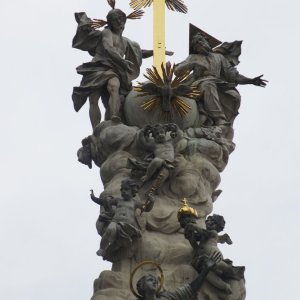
95 199
107 202
144 139
175 132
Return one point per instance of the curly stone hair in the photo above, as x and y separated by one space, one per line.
199 38
217 220
113 12
132 184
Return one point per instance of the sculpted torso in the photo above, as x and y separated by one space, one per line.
109 40
164 151
125 212
210 246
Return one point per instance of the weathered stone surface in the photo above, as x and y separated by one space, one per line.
165 140
135 115
199 158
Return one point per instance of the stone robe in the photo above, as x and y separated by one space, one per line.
102 68
216 79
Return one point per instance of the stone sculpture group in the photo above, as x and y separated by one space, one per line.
156 146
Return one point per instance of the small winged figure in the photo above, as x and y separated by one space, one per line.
205 244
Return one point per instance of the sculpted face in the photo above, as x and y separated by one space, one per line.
126 193
150 284
215 222
210 224
200 45
160 135
116 20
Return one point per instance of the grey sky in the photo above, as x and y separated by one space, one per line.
47 223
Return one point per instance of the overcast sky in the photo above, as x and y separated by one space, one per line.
47 223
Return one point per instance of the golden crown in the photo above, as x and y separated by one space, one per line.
186 210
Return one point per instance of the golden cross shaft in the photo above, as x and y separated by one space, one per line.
159 39
159 35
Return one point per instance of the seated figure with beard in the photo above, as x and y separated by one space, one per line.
216 78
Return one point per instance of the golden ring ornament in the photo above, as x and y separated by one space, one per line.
148 262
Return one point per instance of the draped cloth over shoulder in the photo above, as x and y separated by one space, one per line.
102 68
216 79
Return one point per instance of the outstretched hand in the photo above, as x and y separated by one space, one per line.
92 194
259 81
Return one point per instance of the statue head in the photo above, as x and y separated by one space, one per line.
129 189
200 45
148 284
116 20
159 133
215 222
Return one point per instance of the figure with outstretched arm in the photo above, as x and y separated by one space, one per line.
122 229
147 286
216 77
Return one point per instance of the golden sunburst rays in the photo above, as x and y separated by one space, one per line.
135 15
181 107
154 76
138 4
166 92
175 5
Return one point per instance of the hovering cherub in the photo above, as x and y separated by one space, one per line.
121 227
155 139
205 244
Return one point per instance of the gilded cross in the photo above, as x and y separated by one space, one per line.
159 35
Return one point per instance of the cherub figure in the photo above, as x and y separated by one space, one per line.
163 149
121 227
147 287
205 245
